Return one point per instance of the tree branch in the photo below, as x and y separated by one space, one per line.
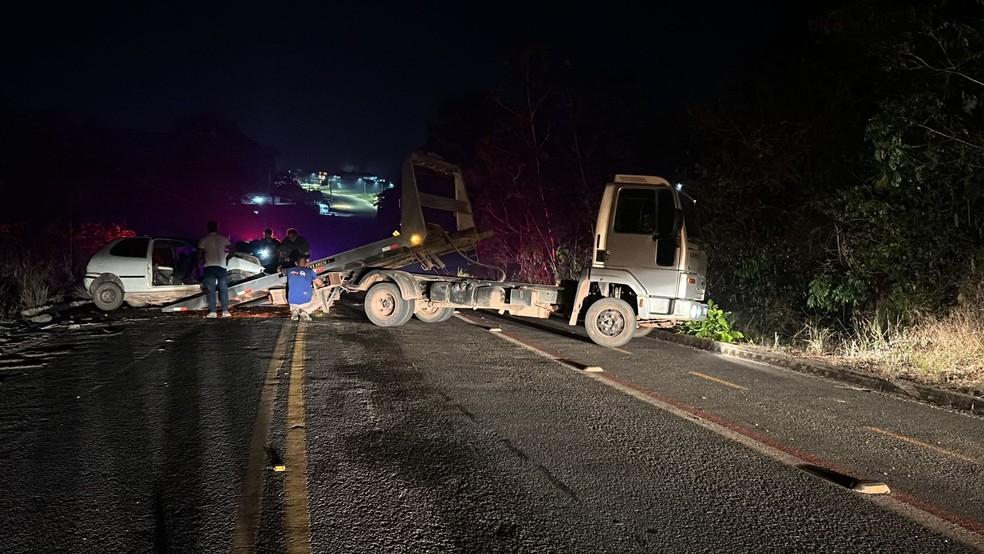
949 71
948 136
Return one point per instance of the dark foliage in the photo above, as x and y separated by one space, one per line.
838 180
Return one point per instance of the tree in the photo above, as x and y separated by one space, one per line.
912 231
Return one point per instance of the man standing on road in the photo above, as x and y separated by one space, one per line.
293 249
301 294
212 253
267 249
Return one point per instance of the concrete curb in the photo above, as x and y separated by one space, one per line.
908 389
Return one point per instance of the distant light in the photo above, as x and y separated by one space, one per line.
396 233
415 239
258 199
679 186
256 212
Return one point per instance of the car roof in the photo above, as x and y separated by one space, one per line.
178 239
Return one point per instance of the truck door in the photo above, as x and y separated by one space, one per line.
643 238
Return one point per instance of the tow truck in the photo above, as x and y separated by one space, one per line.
645 271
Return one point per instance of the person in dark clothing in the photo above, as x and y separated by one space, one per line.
267 249
293 248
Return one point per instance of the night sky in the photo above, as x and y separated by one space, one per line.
329 84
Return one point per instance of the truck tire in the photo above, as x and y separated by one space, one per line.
429 314
107 296
610 322
386 307
642 332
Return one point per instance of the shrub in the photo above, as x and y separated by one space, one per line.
717 326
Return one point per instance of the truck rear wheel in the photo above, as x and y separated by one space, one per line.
433 314
386 307
610 322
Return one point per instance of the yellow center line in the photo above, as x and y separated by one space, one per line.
716 380
298 521
917 442
250 495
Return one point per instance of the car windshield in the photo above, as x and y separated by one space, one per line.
131 248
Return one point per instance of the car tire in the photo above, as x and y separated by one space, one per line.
429 314
610 322
107 296
385 306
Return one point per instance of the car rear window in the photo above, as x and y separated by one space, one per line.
131 248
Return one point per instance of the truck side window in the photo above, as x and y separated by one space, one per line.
666 209
131 248
635 211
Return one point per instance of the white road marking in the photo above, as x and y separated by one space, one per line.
909 511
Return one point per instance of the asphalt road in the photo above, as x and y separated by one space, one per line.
478 434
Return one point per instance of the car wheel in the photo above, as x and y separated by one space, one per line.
385 306
433 314
610 322
107 296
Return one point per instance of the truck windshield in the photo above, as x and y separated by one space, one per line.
635 211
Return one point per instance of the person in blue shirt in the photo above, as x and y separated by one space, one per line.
301 294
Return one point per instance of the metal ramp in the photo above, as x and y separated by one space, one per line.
255 288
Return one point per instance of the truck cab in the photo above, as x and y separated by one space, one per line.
645 270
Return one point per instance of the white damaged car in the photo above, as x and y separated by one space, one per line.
145 271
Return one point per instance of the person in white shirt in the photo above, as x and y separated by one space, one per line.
212 253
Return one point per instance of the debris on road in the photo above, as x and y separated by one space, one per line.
41 318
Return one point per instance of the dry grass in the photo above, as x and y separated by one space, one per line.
947 350
33 290
815 338
27 282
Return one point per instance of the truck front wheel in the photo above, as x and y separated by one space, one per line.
610 322
433 314
386 307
